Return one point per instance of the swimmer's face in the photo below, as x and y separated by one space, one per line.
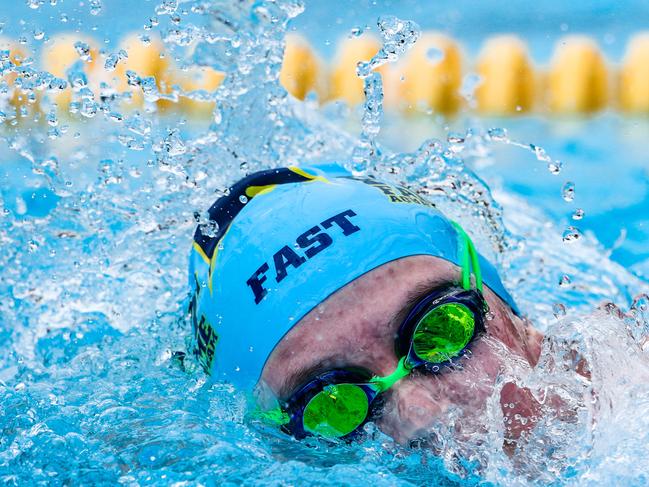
357 326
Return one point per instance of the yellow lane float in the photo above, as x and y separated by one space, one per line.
15 100
145 58
578 78
507 82
302 70
428 79
61 53
432 75
633 89
344 84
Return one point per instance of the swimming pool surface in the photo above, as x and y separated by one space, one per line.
97 213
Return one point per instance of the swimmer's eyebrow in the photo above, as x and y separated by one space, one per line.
415 295
300 377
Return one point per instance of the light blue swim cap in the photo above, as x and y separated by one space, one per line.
283 240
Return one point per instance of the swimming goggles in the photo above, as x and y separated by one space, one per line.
436 331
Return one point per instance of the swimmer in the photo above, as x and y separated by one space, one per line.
350 300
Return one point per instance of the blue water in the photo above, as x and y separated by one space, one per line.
95 225
604 156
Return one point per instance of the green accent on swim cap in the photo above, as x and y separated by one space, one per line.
267 261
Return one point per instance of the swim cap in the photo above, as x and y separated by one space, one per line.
283 240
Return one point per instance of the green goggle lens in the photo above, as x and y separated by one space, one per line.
336 411
443 332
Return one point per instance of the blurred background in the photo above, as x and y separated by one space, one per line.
571 77
611 23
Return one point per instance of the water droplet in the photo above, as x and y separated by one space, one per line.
95 7
571 234
167 7
578 214
52 120
54 133
555 167
558 310
153 21
111 62
116 117
470 83
32 245
88 109
455 138
540 153
83 50
498 134
355 32
568 191
435 55
243 199
173 144
38 34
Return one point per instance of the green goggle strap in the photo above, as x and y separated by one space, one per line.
468 262
468 259
276 416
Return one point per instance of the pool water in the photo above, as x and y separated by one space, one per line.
96 226
603 156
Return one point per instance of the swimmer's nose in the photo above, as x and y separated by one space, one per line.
411 407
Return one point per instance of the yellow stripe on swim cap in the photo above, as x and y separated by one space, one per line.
252 191
305 174
213 260
200 252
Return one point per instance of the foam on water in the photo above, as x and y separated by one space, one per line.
98 209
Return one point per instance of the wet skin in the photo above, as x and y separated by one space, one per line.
356 326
